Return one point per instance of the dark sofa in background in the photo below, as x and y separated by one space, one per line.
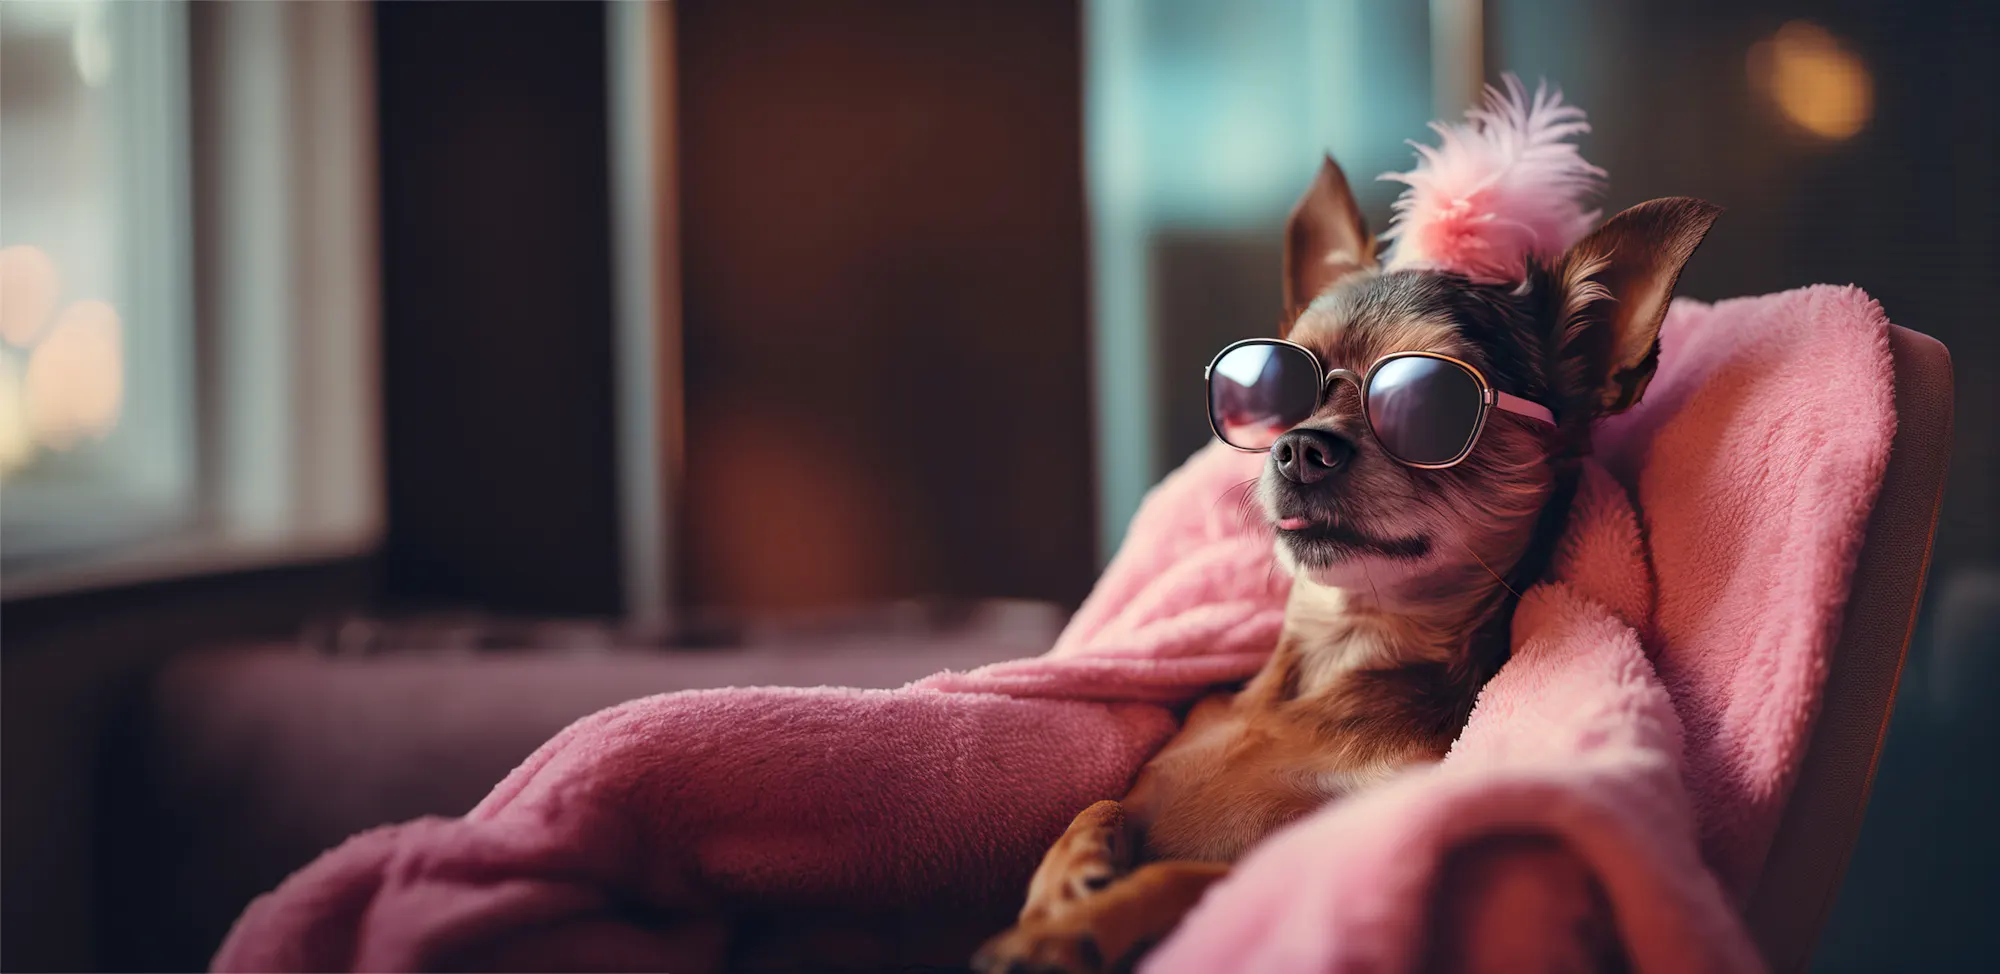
236 766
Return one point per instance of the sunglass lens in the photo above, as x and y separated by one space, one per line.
1423 410
1259 390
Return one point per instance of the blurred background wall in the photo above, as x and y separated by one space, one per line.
885 381
658 318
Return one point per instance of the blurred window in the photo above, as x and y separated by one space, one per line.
187 289
97 437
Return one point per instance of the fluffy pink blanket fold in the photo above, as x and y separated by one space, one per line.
1637 749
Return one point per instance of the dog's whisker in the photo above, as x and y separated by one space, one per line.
1365 573
1233 489
1482 564
1250 512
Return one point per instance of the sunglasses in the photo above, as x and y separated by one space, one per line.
1425 409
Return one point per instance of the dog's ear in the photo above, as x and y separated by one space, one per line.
1614 287
1325 240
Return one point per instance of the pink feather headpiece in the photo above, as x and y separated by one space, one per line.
1498 188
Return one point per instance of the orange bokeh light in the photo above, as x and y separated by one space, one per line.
17 447
75 381
1816 82
28 285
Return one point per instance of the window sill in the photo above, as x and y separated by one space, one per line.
182 555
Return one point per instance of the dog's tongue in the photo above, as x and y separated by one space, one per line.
1293 524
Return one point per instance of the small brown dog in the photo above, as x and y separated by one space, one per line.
1412 502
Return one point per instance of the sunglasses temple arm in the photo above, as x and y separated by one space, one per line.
1522 407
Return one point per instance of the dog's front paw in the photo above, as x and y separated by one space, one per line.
1040 948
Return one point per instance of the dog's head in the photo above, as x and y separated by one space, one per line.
1580 335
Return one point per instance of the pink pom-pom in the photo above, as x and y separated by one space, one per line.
1498 188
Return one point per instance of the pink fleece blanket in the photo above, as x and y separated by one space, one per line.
1631 759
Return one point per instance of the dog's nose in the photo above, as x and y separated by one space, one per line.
1307 456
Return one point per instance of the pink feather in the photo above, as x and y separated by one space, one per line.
1498 188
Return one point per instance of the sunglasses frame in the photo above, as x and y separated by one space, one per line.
1490 398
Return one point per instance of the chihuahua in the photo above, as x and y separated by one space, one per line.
1424 429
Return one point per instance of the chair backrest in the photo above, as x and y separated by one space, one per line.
1816 835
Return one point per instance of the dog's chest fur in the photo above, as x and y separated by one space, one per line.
1347 699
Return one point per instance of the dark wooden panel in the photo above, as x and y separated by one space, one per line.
885 301
1209 288
497 305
